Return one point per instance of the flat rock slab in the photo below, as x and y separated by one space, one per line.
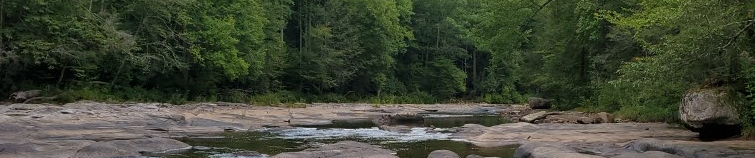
520 133
692 149
346 149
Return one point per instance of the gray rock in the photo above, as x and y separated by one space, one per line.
17 148
606 117
708 107
169 116
539 103
531 118
25 95
686 149
101 149
137 147
443 154
551 150
649 154
346 149
711 112
474 156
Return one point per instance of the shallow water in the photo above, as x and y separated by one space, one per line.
417 142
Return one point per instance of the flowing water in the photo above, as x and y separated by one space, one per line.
416 141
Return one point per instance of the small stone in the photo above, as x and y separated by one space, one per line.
606 117
443 154
66 112
475 156
586 120
535 116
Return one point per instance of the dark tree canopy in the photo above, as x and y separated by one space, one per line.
634 57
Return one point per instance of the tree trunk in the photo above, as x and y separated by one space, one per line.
117 74
60 78
474 69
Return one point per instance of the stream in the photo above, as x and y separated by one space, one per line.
413 140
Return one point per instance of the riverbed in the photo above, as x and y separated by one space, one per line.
93 129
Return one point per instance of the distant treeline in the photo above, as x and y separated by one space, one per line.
637 57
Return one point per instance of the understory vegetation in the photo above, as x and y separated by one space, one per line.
635 57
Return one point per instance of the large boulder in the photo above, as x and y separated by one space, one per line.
345 149
443 154
539 103
711 112
25 95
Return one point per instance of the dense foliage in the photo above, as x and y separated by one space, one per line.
637 57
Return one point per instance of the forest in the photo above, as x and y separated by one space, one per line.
633 57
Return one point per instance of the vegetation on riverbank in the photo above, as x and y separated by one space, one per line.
636 58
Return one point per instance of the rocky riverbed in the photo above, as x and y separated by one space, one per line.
92 129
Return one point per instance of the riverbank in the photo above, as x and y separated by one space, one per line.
92 129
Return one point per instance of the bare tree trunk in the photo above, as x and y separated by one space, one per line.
474 70
60 79
117 74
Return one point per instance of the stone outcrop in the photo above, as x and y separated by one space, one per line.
520 133
25 95
606 117
687 149
531 118
711 112
539 103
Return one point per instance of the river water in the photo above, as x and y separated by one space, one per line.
415 140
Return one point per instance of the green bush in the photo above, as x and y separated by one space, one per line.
747 112
649 113
507 96
278 98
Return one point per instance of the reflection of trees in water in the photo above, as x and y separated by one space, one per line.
266 143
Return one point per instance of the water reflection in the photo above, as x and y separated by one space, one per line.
418 142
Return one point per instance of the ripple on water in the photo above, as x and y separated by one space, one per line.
417 140
416 134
